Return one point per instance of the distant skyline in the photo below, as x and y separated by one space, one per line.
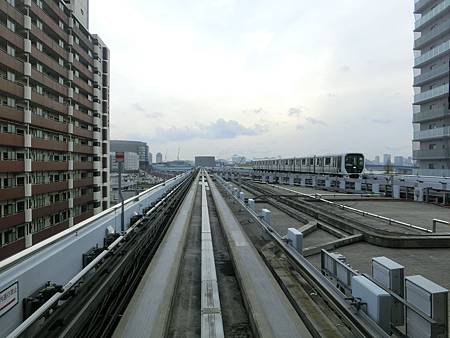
260 78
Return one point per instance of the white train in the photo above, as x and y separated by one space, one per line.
348 164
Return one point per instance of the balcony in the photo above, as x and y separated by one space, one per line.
430 36
83 117
433 74
433 54
431 94
429 115
12 248
39 143
49 166
11 62
10 221
82 148
12 166
431 154
11 87
11 114
83 165
430 15
83 132
12 140
50 187
83 199
12 193
40 121
429 134
419 5
85 182
50 209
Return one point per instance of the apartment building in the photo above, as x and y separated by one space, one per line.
431 118
54 120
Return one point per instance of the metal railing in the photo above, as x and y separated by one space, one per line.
354 210
438 221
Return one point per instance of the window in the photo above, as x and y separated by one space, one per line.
61 43
11 76
39 90
12 2
432 146
39 46
61 24
327 160
20 206
39 24
11 50
11 102
39 67
39 3
11 25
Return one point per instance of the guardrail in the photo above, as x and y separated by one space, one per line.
360 212
437 221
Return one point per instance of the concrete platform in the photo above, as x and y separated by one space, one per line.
416 213
268 307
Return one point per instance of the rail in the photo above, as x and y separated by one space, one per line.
438 221
357 211
360 321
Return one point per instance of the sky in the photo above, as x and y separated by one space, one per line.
260 78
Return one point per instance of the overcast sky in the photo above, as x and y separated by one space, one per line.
260 77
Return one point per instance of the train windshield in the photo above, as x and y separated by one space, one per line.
354 163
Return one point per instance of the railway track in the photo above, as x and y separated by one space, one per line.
92 307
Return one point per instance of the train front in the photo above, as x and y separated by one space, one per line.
354 164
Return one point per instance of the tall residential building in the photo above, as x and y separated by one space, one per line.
387 159
54 122
158 158
431 118
150 158
138 147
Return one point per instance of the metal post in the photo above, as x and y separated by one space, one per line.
122 207
434 225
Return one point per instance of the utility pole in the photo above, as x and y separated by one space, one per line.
120 156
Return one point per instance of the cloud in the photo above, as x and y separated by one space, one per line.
381 120
138 107
315 121
220 129
344 68
295 111
153 115
254 111
300 127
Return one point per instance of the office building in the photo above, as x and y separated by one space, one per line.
205 161
130 162
54 121
138 147
387 159
377 159
150 158
431 118
158 158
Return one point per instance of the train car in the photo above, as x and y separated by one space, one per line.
348 164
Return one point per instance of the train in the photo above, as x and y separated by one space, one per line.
344 165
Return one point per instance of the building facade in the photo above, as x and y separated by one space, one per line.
159 158
431 118
138 147
130 162
54 122
205 161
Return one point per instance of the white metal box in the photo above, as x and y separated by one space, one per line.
431 299
378 301
295 238
390 275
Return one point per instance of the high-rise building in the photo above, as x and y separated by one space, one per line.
138 147
54 122
158 158
205 161
431 118
387 159
150 158
377 159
